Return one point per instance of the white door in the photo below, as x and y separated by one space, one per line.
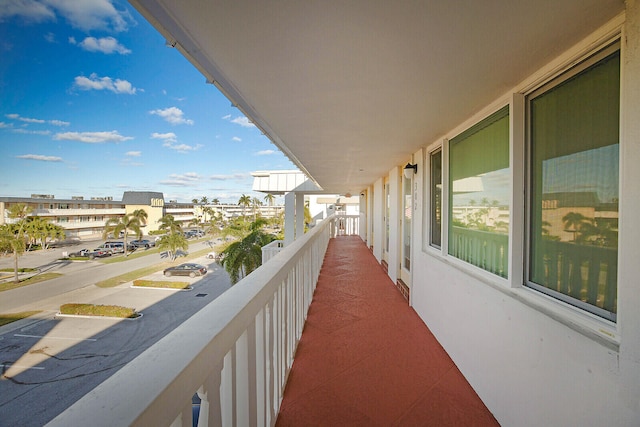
387 212
405 227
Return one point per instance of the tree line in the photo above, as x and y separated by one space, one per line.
26 233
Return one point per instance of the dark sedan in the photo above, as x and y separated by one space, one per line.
144 243
188 269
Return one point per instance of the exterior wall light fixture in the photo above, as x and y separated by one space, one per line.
410 170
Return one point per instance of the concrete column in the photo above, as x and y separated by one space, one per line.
629 238
299 215
289 217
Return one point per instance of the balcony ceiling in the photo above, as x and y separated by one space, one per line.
350 89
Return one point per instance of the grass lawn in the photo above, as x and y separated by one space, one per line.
99 310
12 317
30 281
160 284
133 275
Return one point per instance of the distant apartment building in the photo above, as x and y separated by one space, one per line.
86 218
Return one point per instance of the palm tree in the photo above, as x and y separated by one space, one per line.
172 242
244 256
141 215
12 240
169 224
573 222
204 200
195 222
208 210
215 201
38 229
255 202
53 231
123 224
194 201
14 234
245 202
269 199
35 230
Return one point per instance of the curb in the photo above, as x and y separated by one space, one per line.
187 289
96 317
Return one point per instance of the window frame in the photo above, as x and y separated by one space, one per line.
487 114
430 200
571 71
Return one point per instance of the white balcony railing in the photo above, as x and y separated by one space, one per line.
343 225
271 250
79 212
235 353
347 225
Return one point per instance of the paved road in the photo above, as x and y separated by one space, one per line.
76 275
49 362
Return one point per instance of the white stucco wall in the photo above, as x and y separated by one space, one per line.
533 360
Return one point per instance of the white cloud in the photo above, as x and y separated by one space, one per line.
23 119
182 148
237 139
4 125
133 153
106 45
86 14
50 37
30 10
235 176
93 82
173 115
167 137
32 132
189 179
92 137
265 152
38 121
40 158
240 120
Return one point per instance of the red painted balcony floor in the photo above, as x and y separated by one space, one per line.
366 359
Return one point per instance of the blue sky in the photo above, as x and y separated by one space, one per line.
93 103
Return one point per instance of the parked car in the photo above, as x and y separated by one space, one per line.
187 269
80 253
190 234
113 247
143 243
99 253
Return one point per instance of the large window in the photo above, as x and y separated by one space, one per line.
407 208
435 230
479 185
573 185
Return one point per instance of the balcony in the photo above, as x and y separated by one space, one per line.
364 358
80 212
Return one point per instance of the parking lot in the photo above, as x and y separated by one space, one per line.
49 361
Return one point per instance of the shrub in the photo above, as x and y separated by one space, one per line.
160 284
99 310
